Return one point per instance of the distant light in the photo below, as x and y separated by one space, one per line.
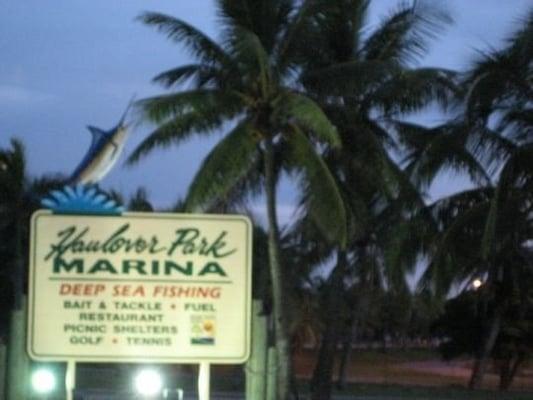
148 382
476 283
43 380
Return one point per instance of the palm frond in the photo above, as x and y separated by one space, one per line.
409 240
325 202
266 19
253 59
181 74
437 149
201 46
498 78
12 169
207 102
307 114
411 90
335 29
457 252
225 165
518 169
447 208
488 146
487 83
366 163
489 232
295 33
351 78
521 41
404 35
139 201
183 114
517 124
407 195
174 132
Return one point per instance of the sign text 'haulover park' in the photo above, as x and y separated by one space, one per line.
140 287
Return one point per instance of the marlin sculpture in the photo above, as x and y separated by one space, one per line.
105 149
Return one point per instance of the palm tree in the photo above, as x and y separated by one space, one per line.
364 77
20 196
12 183
140 201
247 80
13 224
463 322
485 231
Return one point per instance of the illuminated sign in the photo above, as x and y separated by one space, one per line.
140 287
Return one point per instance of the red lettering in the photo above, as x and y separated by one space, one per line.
128 291
81 289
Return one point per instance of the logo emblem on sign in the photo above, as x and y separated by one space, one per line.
203 329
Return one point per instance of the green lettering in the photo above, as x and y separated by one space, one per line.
153 246
76 264
212 268
133 264
169 266
57 250
102 266
216 248
109 245
186 239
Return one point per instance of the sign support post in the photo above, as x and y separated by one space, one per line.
204 376
70 379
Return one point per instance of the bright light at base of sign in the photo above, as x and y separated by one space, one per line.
43 381
477 283
148 382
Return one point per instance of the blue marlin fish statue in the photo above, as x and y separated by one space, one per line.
106 147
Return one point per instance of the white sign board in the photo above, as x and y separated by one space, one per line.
140 287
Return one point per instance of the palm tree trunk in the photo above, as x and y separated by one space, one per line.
346 352
3 364
278 281
482 360
323 373
505 372
17 358
257 363
509 371
272 369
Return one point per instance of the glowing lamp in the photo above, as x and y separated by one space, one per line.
43 381
148 382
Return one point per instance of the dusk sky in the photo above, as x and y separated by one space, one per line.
69 63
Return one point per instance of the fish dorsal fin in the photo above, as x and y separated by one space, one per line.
96 132
98 136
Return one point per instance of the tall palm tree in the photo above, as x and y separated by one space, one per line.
13 183
12 186
247 80
19 197
463 324
487 230
364 77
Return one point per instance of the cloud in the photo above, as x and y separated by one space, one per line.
18 95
